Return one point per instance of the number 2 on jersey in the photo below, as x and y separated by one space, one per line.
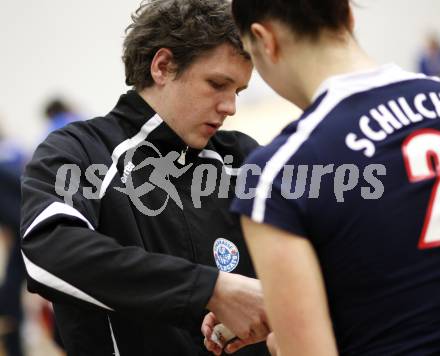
421 153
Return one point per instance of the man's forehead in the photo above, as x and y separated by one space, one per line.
224 63
225 51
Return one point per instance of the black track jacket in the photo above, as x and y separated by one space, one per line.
129 273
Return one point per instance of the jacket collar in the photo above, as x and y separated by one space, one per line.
135 112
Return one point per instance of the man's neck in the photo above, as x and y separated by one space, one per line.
153 98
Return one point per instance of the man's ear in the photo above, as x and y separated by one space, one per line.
266 40
162 66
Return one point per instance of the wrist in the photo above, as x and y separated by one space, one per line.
217 292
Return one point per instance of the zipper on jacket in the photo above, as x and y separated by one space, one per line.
191 242
182 158
185 225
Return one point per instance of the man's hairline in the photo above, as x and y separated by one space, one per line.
239 52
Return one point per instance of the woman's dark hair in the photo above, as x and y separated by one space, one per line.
189 28
305 17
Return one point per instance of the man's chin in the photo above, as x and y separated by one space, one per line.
198 147
199 144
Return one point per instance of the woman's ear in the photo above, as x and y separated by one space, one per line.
162 66
266 40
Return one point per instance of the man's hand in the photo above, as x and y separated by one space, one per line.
209 322
237 302
272 345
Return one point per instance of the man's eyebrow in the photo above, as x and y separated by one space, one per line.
224 76
230 80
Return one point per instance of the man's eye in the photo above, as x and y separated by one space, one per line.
216 85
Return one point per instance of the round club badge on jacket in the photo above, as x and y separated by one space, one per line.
226 255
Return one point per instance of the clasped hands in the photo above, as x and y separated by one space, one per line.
237 303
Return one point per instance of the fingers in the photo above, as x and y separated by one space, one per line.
207 328
257 334
254 327
208 325
237 302
212 346
272 344
236 345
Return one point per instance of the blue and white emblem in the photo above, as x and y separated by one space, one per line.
226 255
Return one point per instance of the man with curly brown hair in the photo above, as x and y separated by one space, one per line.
129 266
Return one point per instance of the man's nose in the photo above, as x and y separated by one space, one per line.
227 107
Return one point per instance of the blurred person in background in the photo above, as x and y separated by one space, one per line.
124 281
59 114
429 62
12 160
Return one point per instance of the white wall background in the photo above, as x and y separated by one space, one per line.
73 48
395 30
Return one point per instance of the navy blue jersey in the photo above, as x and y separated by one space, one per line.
357 175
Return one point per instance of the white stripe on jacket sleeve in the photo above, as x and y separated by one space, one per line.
46 278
